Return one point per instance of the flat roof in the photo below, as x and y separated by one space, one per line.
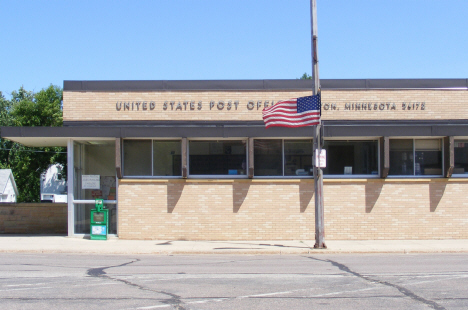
297 84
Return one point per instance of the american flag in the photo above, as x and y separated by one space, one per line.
297 112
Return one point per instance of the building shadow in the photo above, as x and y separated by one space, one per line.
436 192
373 190
306 192
174 192
239 193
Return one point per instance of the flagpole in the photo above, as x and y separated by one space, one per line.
318 174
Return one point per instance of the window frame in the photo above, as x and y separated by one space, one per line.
414 175
283 159
455 140
357 176
152 160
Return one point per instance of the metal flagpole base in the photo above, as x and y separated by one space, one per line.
318 246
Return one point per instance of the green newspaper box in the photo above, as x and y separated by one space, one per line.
99 221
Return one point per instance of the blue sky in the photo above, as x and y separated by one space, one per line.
46 42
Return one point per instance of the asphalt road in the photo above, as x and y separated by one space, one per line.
377 281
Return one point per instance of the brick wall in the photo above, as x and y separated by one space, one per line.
102 106
396 209
284 209
33 218
214 210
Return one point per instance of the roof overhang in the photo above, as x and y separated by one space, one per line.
55 136
59 136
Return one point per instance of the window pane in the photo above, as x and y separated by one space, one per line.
95 158
137 157
428 157
351 157
83 214
427 153
401 157
427 145
298 157
167 160
217 157
268 157
461 157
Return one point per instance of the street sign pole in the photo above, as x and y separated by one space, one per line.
318 173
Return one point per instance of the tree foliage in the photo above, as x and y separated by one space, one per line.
305 76
39 109
27 108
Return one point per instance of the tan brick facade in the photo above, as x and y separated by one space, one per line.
398 104
284 209
223 209
215 210
396 209
90 106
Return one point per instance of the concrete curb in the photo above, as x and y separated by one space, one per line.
312 252
72 245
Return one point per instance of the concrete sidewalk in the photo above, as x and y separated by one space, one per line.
62 244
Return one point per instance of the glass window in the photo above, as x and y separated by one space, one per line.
277 157
137 157
461 157
94 158
167 159
152 158
83 214
226 157
268 157
415 157
401 157
351 157
298 157
428 157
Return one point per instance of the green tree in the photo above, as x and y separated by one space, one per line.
40 109
5 120
31 109
5 106
305 76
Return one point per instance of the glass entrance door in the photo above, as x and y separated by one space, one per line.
94 176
